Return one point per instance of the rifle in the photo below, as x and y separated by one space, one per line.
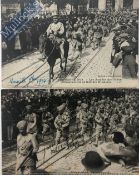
24 160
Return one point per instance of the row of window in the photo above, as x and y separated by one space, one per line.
111 3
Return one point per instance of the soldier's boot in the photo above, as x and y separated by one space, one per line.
56 145
96 142
62 53
93 45
67 145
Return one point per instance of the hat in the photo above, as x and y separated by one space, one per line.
117 28
28 107
55 16
61 107
79 102
22 124
124 35
134 113
84 105
115 116
101 106
93 160
118 32
91 109
118 137
75 25
43 108
48 114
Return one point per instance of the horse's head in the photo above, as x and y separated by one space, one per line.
51 36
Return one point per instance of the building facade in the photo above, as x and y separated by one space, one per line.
114 4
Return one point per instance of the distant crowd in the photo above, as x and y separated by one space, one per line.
85 29
117 106
110 118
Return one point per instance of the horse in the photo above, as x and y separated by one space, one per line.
50 49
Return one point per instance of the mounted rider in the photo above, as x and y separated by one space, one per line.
55 32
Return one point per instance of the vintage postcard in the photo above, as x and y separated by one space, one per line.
70 132
69 43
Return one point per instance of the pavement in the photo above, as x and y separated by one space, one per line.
63 161
93 69
30 72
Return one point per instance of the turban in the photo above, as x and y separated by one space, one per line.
22 124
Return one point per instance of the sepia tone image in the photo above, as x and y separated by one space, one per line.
64 43
64 132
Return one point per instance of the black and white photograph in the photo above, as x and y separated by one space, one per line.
61 43
62 132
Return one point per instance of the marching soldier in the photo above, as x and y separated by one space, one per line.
31 119
83 118
91 115
99 124
98 33
47 120
27 147
77 37
78 111
62 124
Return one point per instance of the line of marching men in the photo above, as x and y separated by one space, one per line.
102 116
89 30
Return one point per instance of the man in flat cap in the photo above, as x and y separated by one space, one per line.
27 147
62 124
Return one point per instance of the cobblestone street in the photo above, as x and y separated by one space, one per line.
67 160
91 65
72 163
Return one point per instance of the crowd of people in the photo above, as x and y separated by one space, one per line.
16 105
26 40
125 47
80 30
39 113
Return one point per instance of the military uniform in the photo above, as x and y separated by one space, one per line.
91 115
31 123
98 33
77 37
47 119
31 119
83 118
27 147
99 125
78 109
62 126
57 29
